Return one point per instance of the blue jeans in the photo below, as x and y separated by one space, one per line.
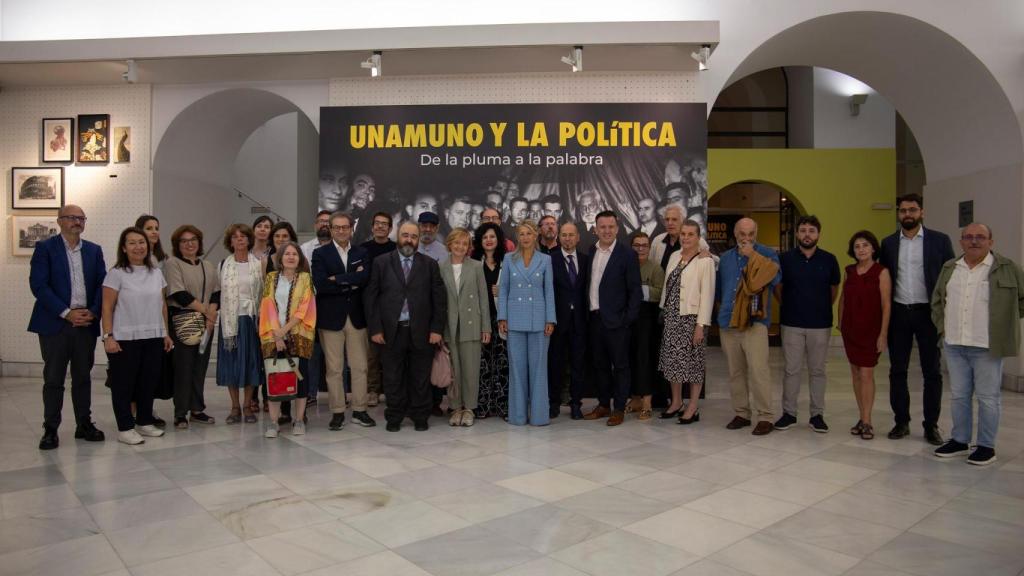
973 370
528 378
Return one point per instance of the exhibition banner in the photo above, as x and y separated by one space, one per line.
527 160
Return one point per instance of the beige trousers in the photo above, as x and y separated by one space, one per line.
746 352
352 342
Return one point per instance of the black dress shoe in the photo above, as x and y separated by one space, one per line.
553 411
576 413
393 426
899 431
49 441
933 435
421 426
88 432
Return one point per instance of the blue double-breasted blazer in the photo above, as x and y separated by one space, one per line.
526 295
50 281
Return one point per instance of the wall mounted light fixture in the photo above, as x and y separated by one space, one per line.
855 101
575 59
701 56
373 64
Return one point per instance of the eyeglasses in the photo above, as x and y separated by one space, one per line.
974 238
81 219
644 246
338 228
384 223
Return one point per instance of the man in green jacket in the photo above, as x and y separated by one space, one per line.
976 307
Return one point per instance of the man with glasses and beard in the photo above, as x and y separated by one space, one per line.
322 226
914 256
810 284
406 303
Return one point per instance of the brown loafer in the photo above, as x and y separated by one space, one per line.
763 427
598 412
616 418
737 423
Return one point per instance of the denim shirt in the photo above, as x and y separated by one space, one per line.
727 281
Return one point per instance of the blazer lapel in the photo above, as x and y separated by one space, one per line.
396 265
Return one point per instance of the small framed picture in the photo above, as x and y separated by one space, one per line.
122 144
28 230
93 138
58 140
37 188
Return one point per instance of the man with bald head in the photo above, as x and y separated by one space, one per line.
976 307
66 277
747 274
571 270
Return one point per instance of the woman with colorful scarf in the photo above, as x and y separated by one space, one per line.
287 322
239 363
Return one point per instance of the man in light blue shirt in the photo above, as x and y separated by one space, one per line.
429 245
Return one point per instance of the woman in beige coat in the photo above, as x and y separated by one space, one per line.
468 326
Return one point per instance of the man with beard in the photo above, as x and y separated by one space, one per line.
406 305
548 234
810 284
333 189
914 256
379 244
428 243
322 226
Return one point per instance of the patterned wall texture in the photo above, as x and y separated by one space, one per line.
110 203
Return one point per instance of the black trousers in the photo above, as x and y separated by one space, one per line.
134 372
74 346
610 351
906 324
570 340
645 349
406 378
189 378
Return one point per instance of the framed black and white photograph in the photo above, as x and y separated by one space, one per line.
94 138
122 144
37 188
28 230
58 140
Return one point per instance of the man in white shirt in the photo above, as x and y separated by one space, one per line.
978 301
322 226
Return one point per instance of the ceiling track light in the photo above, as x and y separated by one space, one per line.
575 59
373 64
131 75
701 56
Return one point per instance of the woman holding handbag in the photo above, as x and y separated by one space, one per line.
193 288
468 326
287 324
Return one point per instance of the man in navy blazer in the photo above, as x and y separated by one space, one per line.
914 256
613 298
66 277
341 271
571 271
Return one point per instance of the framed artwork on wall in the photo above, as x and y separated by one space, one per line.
37 188
93 138
58 140
122 144
26 231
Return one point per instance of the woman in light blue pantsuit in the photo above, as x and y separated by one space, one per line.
526 313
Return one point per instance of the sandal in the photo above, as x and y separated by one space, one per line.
867 432
645 414
858 428
250 418
234 417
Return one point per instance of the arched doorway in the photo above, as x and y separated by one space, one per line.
203 166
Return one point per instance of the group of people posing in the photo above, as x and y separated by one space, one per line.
518 317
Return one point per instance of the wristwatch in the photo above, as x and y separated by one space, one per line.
107 335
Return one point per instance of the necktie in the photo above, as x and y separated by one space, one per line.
572 270
406 267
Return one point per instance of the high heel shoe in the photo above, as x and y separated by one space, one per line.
666 414
691 419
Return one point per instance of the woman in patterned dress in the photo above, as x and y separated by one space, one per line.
489 248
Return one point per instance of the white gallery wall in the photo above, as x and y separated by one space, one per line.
836 127
112 195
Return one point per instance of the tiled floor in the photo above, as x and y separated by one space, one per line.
573 498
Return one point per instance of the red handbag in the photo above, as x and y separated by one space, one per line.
282 378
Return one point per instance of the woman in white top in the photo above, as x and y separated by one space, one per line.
151 226
239 363
135 334
687 300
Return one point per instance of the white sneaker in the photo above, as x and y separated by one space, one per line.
150 430
130 437
299 428
271 431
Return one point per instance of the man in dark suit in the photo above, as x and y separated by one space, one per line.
340 273
406 313
571 272
914 256
66 277
614 297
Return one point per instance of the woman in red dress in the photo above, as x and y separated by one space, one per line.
864 321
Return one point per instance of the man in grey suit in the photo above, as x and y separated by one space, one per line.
406 314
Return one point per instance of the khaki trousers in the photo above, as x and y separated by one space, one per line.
746 352
352 342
